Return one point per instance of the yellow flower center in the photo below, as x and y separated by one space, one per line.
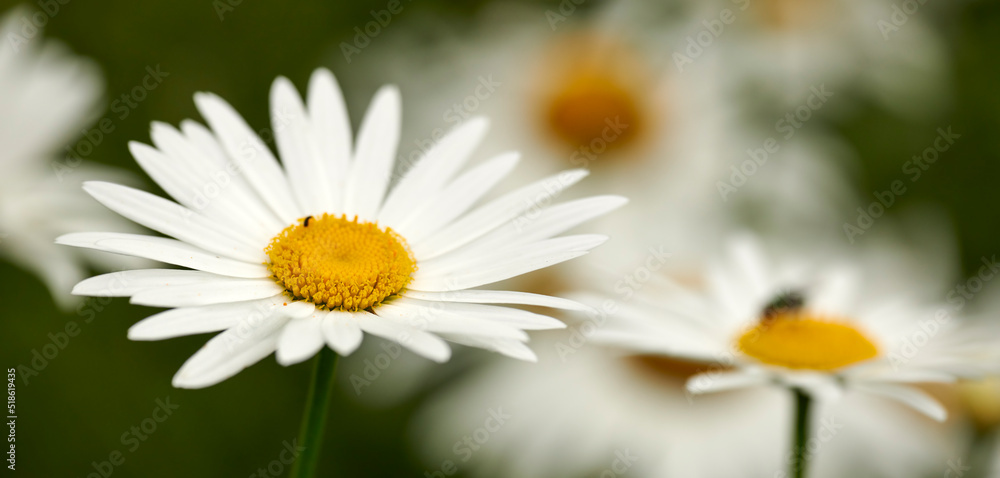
340 264
794 339
792 14
592 108
593 93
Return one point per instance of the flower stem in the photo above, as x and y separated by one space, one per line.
314 418
800 461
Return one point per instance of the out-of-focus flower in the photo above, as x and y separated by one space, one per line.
46 96
289 257
595 394
785 47
591 91
823 325
583 410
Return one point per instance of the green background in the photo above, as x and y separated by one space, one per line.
76 410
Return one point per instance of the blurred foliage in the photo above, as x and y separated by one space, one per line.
100 385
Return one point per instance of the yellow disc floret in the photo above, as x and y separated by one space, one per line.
340 264
796 340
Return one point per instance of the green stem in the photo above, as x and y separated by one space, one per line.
314 418
800 461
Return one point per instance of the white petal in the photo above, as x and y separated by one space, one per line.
499 297
910 396
441 321
300 339
511 348
446 274
164 250
422 343
205 182
443 207
371 168
195 320
126 283
332 128
230 352
495 213
224 290
251 154
299 151
342 332
716 381
434 170
548 223
509 316
173 220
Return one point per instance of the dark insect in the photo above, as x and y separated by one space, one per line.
306 221
784 302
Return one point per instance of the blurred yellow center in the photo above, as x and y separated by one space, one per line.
340 264
797 340
594 108
791 14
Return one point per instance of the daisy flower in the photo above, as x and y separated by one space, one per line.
787 47
818 327
591 91
47 96
582 412
318 249
590 398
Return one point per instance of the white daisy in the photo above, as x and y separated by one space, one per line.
47 96
585 401
575 413
290 257
592 91
822 326
788 46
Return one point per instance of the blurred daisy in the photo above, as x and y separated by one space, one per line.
315 251
595 394
790 46
580 410
821 327
47 95
592 90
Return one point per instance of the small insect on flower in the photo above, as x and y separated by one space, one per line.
789 301
305 222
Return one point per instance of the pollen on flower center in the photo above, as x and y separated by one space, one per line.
340 264
797 340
